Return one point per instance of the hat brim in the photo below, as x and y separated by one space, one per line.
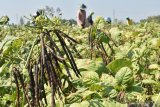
83 8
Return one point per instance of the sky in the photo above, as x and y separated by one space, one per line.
120 9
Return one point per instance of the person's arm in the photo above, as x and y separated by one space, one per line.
85 15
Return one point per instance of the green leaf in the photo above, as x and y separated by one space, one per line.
49 95
109 91
96 103
91 65
4 20
121 105
87 95
149 81
75 105
154 66
109 79
156 99
103 37
8 97
136 96
12 47
135 89
110 104
89 77
114 104
117 64
115 33
136 33
96 87
99 22
113 93
73 98
85 104
155 42
4 68
124 76
100 68
6 41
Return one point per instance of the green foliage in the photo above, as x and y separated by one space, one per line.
117 64
4 20
155 19
124 77
92 65
89 77
103 37
131 74
135 89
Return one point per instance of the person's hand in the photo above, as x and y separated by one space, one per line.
83 25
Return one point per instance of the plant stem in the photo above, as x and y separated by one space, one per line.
156 100
30 53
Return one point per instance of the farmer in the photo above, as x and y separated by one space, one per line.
81 16
35 15
108 20
89 18
129 21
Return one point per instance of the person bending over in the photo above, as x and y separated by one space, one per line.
81 16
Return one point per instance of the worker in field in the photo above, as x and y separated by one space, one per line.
129 21
81 16
90 19
108 20
35 15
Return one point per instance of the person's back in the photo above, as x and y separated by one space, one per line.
81 16
89 19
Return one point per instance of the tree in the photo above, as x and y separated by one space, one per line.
152 19
49 11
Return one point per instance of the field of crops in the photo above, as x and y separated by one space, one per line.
56 64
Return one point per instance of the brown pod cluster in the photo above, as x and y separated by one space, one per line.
46 69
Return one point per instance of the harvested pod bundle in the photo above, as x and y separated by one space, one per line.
46 69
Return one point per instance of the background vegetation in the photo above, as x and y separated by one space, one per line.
52 62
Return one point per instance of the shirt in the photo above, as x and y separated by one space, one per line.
81 17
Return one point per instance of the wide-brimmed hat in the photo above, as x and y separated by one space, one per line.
83 7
